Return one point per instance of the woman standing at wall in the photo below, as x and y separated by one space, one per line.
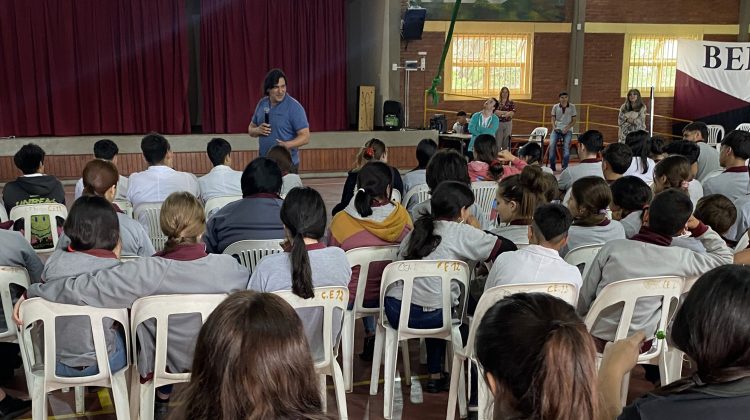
632 115
506 109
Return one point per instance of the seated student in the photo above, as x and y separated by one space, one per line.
708 160
673 172
642 166
100 178
158 181
441 235
590 144
33 187
630 196
222 180
657 152
488 164
538 359
552 192
374 150
539 262
106 149
283 158
370 219
79 278
531 153
261 183
691 152
417 176
716 343
229 358
461 126
719 214
648 254
589 199
307 262
616 159
733 182
518 196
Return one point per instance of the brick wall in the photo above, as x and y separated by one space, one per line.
665 11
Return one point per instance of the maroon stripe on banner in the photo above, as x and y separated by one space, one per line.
694 99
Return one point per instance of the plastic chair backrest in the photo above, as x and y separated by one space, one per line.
538 134
125 206
8 276
484 196
329 298
715 133
418 193
161 308
627 292
27 211
250 251
742 243
396 196
148 215
743 127
38 309
362 257
583 255
411 271
3 214
214 204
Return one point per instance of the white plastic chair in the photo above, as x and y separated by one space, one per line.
3 214
715 132
330 299
8 276
538 135
743 127
409 272
742 243
27 211
625 293
42 375
564 291
360 257
583 255
125 206
418 193
214 204
161 308
484 196
148 215
249 252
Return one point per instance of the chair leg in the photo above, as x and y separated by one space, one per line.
135 392
406 362
391 349
323 393
422 352
624 389
453 392
80 399
338 386
462 398
38 400
148 393
347 350
377 358
483 397
120 395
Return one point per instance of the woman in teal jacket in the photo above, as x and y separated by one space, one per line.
484 122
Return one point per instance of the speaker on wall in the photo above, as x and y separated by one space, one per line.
413 24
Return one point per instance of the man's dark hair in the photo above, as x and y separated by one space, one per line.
669 211
446 165
552 221
105 149
618 156
717 211
593 140
563 93
262 175
425 149
684 148
697 126
218 149
154 147
461 113
92 224
631 193
29 158
272 78
739 142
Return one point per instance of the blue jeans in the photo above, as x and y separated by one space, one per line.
418 318
118 359
567 138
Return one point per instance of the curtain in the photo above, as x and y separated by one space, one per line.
73 67
242 39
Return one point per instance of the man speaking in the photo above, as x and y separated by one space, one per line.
279 118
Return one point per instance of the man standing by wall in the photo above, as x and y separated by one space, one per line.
279 118
563 119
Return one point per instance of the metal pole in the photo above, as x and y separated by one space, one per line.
651 122
406 98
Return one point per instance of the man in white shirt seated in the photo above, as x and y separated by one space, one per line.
734 152
539 262
222 180
158 181
106 149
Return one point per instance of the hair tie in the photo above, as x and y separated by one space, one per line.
362 190
369 152
602 211
684 184
697 379
646 206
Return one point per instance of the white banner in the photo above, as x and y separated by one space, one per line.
724 66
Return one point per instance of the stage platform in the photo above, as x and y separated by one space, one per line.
328 154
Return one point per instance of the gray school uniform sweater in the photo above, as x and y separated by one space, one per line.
627 259
632 223
729 183
121 285
329 267
571 174
133 237
16 252
518 234
591 235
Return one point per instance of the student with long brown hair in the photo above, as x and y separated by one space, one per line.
235 375
590 197
538 359
517 198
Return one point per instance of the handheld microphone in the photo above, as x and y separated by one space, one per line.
266 111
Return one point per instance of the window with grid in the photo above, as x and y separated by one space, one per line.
483 63
651 60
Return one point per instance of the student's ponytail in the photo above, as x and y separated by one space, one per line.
676 169
301 271
373 182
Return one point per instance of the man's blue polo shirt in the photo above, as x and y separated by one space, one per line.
286 118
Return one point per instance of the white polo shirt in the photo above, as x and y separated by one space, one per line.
122 188
221 181
532 264
156 183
